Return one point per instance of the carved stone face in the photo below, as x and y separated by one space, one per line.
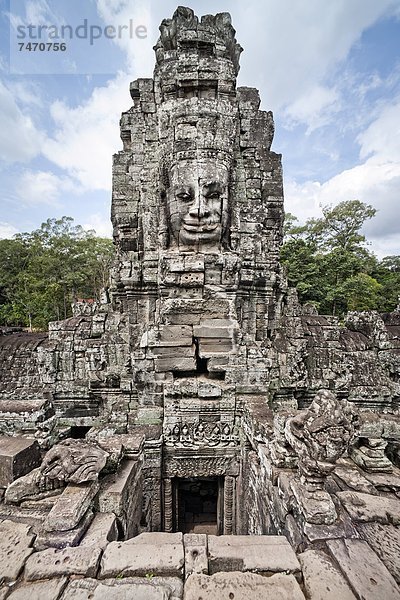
197 202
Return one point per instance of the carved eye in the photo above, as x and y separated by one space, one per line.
184 196
214 195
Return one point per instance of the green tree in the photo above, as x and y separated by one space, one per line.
360 292
340 225
387 272
43 271
325 258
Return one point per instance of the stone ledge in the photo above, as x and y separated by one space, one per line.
367 575
242 586
261 554
150 554
68 561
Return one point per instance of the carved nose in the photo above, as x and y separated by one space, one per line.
199 208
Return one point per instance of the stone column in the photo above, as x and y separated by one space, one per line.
229 488
168 514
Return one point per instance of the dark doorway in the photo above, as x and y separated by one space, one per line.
198 505
79 433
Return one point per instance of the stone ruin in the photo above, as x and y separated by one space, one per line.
199 399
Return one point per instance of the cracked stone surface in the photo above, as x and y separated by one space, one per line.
66 561
322 579
242 586
15 547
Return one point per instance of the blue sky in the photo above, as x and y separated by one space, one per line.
330 71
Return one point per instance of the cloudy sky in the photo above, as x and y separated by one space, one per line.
329 70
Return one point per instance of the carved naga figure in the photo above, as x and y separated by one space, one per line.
320 435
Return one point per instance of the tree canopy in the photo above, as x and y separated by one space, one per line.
327 259
42 272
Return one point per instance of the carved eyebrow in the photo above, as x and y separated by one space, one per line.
213 186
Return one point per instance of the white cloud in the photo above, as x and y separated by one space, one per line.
300 44
20 141
7 231
28 93
382 138
42 187
100 224
3 63
302 200
386 246
140 57
315 107
86 136
376 181
37 12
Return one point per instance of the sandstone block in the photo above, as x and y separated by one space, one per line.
353 479
40 590
68 561
174 364
367 575
202 331
216 347
161 557
15 547
385 541
158 588
317 507
71 506
169 335
150 537
364 507
121 494
62 539
171 352
242 586
102 530
322 579
386 482
196 559
18 456
257 553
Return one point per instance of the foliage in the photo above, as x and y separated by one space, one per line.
327 260
43 271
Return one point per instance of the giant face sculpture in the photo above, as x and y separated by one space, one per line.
197 202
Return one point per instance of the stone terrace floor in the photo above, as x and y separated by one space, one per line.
164 566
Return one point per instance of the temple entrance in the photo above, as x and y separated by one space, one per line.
198 505
194 505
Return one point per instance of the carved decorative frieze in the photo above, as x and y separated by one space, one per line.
201 434
199 466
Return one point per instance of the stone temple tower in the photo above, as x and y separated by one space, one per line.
210 401
197 212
